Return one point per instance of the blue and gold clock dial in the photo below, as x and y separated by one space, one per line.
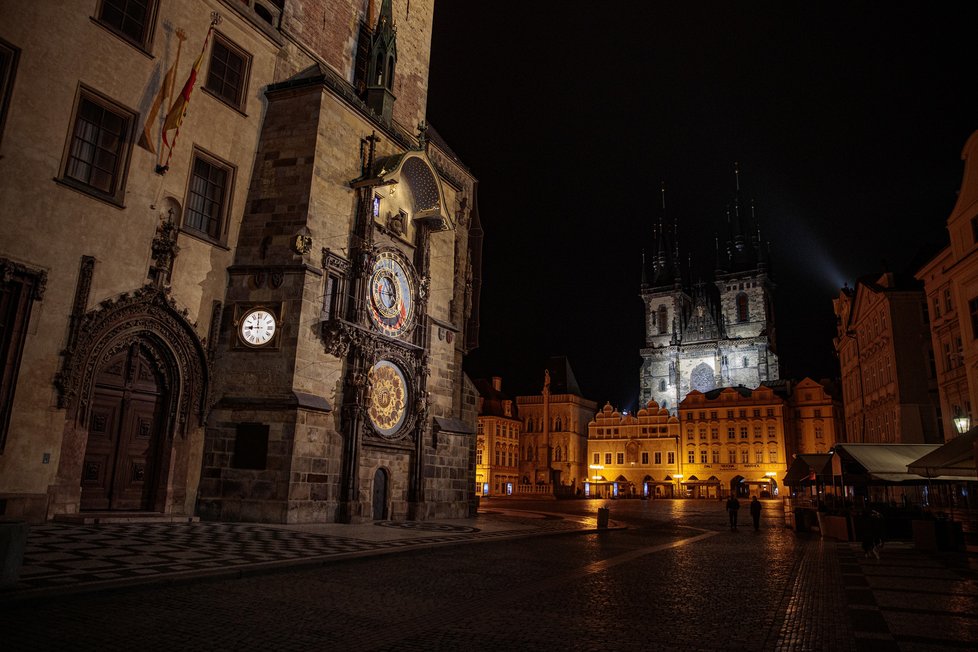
391 295
388 398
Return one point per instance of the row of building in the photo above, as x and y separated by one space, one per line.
730 440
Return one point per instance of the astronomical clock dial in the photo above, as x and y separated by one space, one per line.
257 327
391 295
388 398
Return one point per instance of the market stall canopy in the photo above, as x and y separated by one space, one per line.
878 463
955 460
803 466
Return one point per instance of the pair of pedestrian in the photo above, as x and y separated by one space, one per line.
733 507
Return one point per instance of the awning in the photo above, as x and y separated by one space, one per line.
878 462
955 460
804 465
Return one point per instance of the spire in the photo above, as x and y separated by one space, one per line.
382 62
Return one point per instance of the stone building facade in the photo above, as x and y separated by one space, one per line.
498 444
733 441
261 317
704 335
889 384
634 455
814 418
951 289
555 432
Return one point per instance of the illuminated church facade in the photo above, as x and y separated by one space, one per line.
704 335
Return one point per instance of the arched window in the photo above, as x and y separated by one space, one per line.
557 454
662 385
557 427
663 316
529 425
529 453
742 313
390 74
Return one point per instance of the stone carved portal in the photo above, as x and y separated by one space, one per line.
145 331
702 378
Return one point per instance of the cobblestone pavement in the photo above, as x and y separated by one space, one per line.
676 579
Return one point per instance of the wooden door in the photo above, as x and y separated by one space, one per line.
380 495
123 435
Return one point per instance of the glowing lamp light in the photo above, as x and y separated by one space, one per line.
678 476
962 424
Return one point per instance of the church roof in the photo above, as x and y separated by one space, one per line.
492 400
562 380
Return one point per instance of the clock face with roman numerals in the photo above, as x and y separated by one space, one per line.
391 295
257 327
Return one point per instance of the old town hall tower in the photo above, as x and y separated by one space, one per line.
701 335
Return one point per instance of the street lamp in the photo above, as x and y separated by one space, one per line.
962 424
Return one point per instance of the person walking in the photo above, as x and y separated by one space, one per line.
733 506
755 512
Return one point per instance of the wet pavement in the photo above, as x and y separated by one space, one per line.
676 578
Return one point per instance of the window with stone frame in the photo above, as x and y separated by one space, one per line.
132 20
9 55
619 458
645 458
745 456
99 146
227 72
19 289
732 455
657 457
703 456
208 196
716 455
607 458
670 458
691 456
742 311
597 458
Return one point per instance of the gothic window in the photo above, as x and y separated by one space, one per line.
98 147
557 454
227 73
529 453
663 317
557 427
742 313
529 425
208 197
19 288
746 362
130 19
662 385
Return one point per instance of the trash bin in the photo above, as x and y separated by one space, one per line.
602 517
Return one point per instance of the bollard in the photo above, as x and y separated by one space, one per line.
602 518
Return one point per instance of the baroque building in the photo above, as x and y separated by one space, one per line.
239 272
889 384
498 444
633 455
704 335
555 433
733 442
814 419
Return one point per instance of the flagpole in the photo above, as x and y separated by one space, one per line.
174 117
170 78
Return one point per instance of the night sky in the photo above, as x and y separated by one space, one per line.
847 121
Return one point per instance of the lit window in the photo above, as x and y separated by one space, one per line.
772 457
759 456
716 455
703 456
691 456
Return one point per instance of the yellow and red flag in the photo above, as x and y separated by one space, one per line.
179 109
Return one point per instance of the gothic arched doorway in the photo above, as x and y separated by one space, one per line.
380 495
123 449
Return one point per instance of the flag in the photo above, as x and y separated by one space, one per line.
146 139
179 109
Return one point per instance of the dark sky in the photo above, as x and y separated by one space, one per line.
847 121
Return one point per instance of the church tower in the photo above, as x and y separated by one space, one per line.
704 335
